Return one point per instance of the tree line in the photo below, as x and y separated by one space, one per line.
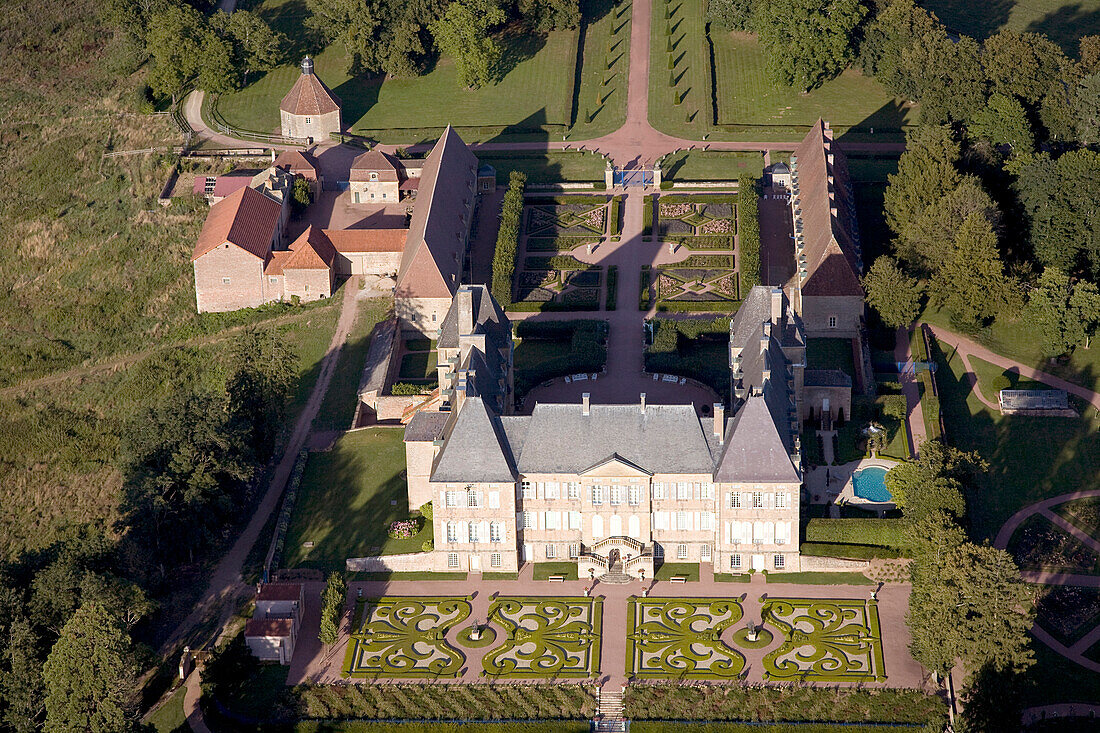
73 615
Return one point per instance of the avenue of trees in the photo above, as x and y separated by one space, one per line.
70 614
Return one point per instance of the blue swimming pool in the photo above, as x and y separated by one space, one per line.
870 484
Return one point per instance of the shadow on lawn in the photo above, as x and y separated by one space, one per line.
1066 25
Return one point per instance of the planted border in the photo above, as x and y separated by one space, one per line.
748 231
825 640
504 258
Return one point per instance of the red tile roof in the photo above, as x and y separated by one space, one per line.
223 185
298 162
374 161
311 251
367 240
310 96
269 627
280 592
245 218
278 260
827 210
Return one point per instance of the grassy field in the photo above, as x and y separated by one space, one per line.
551 167
826 353
383 108
543 570
715 165
1064 21
348 498
682 108
338 408
670 570
169 717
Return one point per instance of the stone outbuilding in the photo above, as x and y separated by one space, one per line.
310 110
272 631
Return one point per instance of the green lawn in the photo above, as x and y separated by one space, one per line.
691 72
713 165
419 365
543 570
669 570
820 578
870 170
407 110
824 353
552 167
362 726
992 379
169 717
1030 458
1064 21
348 498
338 408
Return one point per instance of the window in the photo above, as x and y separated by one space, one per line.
682 521
225 281
433 317
372 195
383 195
452 532
704 553
528 520
574 491
735 562
494 560
553 489
735 500
574 520
273 280
474 533
451 498
757 500
307 288
496 532
780 562
374 176
526 490
706 521
707 491
658 491
550 521
635 496
832 321
658 550
473 499
616 495
683 490
452 559
780 501
597 495
551 552
574 550
681 552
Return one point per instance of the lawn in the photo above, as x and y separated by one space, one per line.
710 165
338 408
348 498
1064 21
670 570
419 365
992 379
543 570
363 726
820 578
169 717
551 167
871 170
556 349
1030 458
406 110
679 80
695 349
826 353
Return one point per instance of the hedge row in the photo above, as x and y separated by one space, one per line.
558 244
612 286
666 356
561 330
504 259
848 552
555 200
586 352
290 495
748 231
643 290
445 702
704 241
647 215
665 726
615 214
870 531
781 704
557 262
699 306
696 198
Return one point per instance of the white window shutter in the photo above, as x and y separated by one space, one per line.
483 535
733 532
442 498
463 532
494 500
746 500
696 522
729 534
769 533
788 495
746 532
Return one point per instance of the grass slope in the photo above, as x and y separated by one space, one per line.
1064 21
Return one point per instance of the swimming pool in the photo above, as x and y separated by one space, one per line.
870 484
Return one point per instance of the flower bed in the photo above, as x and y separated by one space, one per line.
1038 544
1068 611
404 529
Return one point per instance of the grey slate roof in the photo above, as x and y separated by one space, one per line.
488 319
662 439
476 449
754 451
426 427
755 309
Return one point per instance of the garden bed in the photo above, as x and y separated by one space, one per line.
1039 545
572 219
1068 612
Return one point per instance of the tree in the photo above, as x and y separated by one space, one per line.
892 293
90 675
377 35
970 604
1087 109
217 68
259 47
1058 197
332 606
922 244
21 684
263 372
543 16
1084 312
301 195
174 42
1063 314
807 41
926 171
1026 65
972 282
1089 53
733 15
463 34
1004 121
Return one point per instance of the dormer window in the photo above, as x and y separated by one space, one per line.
374 176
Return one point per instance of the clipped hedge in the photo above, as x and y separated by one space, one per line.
848 552
647 216
615 215
612 286
557 262
748 231
290 496
675 350
870 531
644 299
584 349
699 306
504 258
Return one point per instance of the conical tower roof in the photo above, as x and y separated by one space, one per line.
309 95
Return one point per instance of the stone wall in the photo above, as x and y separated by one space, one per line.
318 129
416 561
244 272
832 564
816 311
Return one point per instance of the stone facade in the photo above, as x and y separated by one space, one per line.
309 111
228 278
312 128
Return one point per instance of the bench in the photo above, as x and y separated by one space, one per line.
556 578
678 579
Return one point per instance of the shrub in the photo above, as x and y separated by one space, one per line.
647 216
612 286
504 259
616 215
428 545
643 290
403 529
748 231
870 531
406 388
428 511
848 552
332 605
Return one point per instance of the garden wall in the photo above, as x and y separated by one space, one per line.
412 562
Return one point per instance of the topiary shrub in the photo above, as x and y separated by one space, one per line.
428 545
427 511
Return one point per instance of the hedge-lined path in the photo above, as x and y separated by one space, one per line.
313 664
966 348
1076 652
910 387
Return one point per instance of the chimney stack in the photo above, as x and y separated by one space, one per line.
777 304
465 301
586 404
720 422
643 403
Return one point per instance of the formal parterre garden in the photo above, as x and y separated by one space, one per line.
681 638
545 637
824 640
404 637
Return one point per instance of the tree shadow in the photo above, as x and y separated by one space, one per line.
1066 25
518 44
978 20
289 19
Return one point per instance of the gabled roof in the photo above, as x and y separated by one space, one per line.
298 162
822 187
426 426
367 240
476 449
615 458
245 218
276 262
377 161
223 185
489 318
431 264
310 96
279 592
279 628
754 449
311 251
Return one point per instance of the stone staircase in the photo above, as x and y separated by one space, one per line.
616 576
609 710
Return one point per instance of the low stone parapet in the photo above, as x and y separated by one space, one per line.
415 561
829 564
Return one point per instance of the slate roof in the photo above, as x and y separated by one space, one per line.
489 319
245 218
279 592
830 247
754 450
426 426
754 310
476 448
431 264
309 96
826 378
